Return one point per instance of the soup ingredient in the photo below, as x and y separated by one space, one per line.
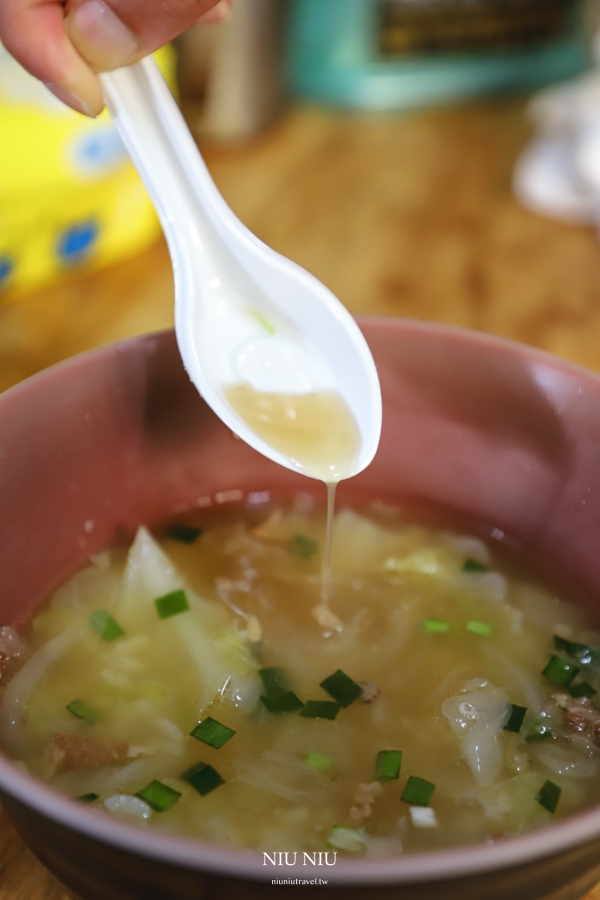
418 791
303 547
106 625
277 697
517 714
76 752
582 689
123 805
320 709
186 534
13 652
474 565
561 672
538 731
384 735
343 690
586 656
483 629
423 817
477 716
353 840
171 604
435 626
387 767
549 796
212 733
203 778
159 797
319 762
580 715
83 711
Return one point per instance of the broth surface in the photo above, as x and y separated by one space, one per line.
442 638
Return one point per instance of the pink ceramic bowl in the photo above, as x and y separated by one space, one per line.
94 447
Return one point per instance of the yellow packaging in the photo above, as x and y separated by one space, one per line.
69 196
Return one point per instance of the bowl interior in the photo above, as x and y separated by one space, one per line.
500 433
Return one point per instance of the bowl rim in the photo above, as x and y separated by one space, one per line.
201 855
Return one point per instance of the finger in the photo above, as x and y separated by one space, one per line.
113 33
217 13
32 31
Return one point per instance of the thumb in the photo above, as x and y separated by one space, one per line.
113 33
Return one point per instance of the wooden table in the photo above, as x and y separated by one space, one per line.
399 215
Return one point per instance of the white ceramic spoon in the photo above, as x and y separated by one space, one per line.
242 311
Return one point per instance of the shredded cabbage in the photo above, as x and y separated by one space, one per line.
477 717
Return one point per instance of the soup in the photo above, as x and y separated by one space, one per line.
195 683
316 431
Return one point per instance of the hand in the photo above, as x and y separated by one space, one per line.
65 44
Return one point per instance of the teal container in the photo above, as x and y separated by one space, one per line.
384 54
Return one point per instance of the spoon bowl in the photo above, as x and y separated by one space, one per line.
242 311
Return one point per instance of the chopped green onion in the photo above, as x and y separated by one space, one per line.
473 565
515 719
171 604
203 778
435 626
302 546
274 680
584 654
282 703
83 711
387 767
343 690
482 629
538 732
264 321
185 534
320 709
159 797
582 689
319 762
211 732
88 798
106 625
549 795
561 672
418 791
352 840
278 698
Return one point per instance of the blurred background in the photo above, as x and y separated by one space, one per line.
391 147
433 159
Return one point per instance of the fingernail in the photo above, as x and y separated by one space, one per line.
217 13
100 36
70 99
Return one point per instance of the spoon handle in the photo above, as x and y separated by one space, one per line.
163 151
